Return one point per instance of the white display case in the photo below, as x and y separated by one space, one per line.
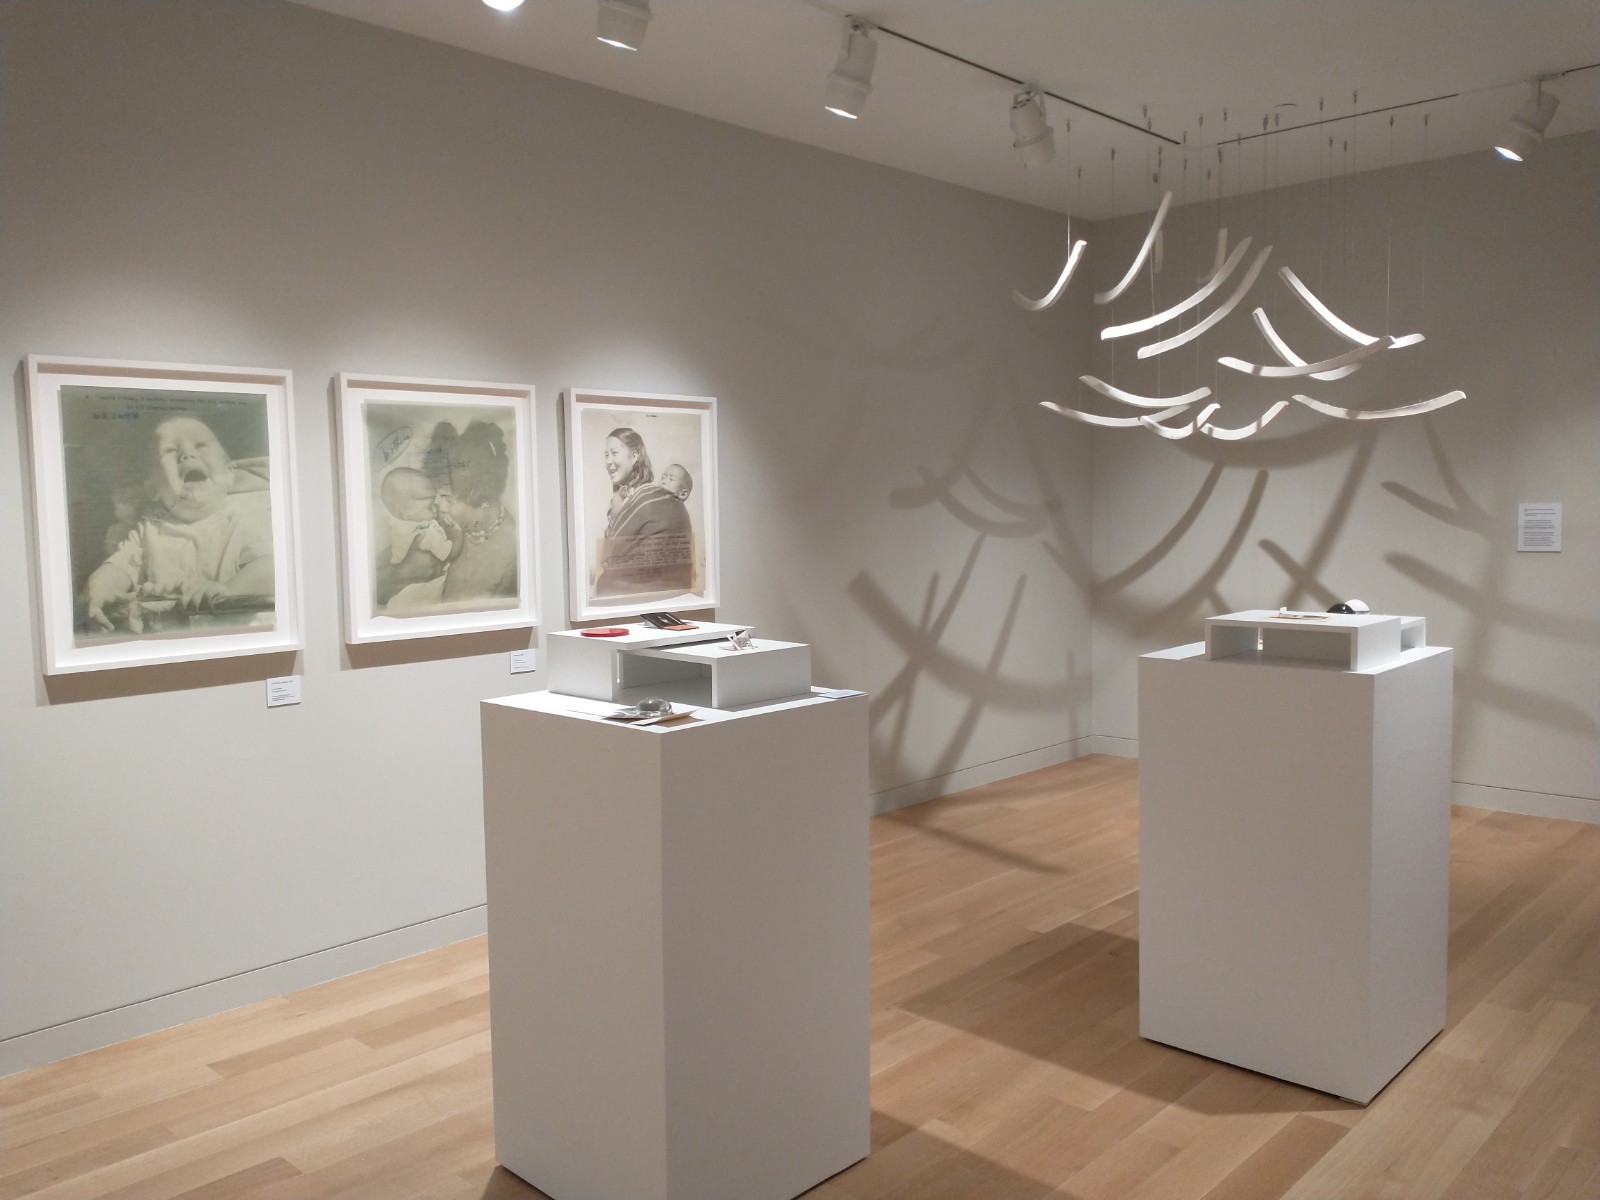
678 947
1294 850
694 667
1351 641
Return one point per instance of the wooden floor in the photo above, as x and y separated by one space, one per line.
1006 1058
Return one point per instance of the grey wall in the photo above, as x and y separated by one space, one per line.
265 185
1499 265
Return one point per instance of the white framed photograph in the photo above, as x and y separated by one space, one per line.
438 487
641 503
164 508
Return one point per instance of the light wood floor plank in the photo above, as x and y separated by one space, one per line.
1007 1063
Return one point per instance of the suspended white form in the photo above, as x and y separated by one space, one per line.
1138 259
1281 348
1329 318
1239 433
1182 306
1316 369
1116 393
1111 422
1210 320
1224 266
1054 294
1404 410
1174 432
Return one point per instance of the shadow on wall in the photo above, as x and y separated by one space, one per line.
1490 609
922 639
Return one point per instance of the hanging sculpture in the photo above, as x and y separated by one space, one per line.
1294 366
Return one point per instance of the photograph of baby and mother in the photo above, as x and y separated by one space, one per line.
443 504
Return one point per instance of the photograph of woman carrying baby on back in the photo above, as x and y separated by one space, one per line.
642 478
435 491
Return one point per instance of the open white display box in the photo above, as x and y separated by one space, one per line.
1347 641
696 667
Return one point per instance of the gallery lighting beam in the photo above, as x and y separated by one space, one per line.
622 23
850 82
1031 136
503 5
1524 132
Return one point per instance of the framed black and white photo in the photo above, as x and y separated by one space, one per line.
164 504
641 502
438 506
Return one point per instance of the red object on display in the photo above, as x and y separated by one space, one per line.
611 632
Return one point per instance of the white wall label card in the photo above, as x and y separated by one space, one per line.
285 689
1539 527
523 661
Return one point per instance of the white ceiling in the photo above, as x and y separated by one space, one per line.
761 64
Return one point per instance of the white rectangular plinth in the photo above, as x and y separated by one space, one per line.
1293 862
677 948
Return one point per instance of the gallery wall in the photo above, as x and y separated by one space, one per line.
1499 266
262 185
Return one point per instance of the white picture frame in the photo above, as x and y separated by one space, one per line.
663 555
164 512
464 452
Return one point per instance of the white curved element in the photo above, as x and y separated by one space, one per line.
1327 316
1405 410
1182 306
1095 419
1054 293
1244 431
1281 348
1261 370
1174 432
1222 253
1116 393
1209 320
1138 259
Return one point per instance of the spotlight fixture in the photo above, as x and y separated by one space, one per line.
1032 138
1524 133
503 5
851 81
622 23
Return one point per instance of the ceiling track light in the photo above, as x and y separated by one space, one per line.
622 23
850 82
503 5
1031 136
1524 132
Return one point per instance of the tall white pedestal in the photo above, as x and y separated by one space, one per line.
677 947
1293 861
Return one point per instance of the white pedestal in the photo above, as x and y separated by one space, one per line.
1293 862
677 947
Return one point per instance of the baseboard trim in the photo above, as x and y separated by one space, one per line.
1117 747
908 794
1531 804
35 1049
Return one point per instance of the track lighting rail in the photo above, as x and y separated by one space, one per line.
1011 79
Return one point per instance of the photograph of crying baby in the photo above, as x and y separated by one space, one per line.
169 512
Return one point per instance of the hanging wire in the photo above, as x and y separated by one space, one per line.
1067 159
1388 257
1423 296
